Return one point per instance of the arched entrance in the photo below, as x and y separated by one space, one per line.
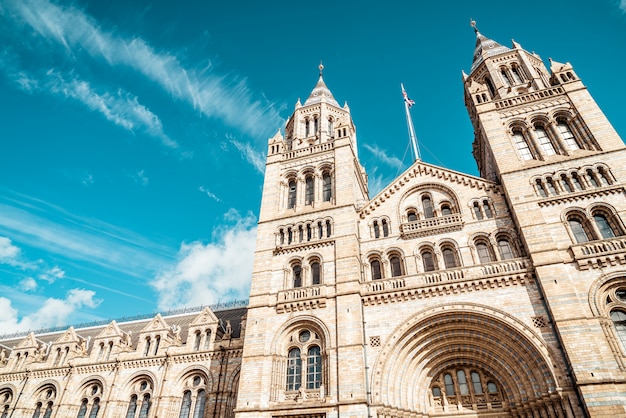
466 360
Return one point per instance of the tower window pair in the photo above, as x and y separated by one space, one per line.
602 225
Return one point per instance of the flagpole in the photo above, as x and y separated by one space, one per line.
409 121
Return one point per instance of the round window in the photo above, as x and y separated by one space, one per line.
305 336
143 385
196 381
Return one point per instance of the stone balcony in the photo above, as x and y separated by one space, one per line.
301 298
431 226
314 149
600 253
465 279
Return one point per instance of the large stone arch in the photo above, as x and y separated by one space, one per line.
470 335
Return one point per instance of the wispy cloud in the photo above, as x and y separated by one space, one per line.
46 227
204 273
141 178
622 5
53 311
225 97
208 193
52 275
383 157
254 157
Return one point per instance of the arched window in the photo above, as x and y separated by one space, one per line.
550 186
376 270
95 408
522 145
146 349
307 128
505 77
517 76
315 273
207 339
376 230
487 209
330 127
198 411
489 84
427 205
477 212
101 351
82 411
309 232
449 258
445 210
606 225
309 188
436 392
289 235
576 181
411 216
604 178
592 178
196 341
460 377
449 383
506 251
297 275
320 230
37 412
294 369
396 265
540 189
578 229
156 344
484 252
328 231
316 124
619 322
327 184
132 407
145 406
544 141
185 407
385 228
492 388
478 389
300 234
291 198
567 135
428 260
314 368
565 183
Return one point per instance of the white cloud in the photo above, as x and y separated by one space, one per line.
52 275
141 178
8 252
87 179
28 284
622 6
384 157
206 273
225 97
208 193
53 312
254 157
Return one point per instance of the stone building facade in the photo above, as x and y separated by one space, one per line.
444 295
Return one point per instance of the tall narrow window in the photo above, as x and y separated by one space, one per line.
477 212
289 236
568 136
145 406
447 380
109 351
300 234
327 183
487 209
540 189
198 411
132 407
376 230
330 128
307 128
619 321
580 234
316 124
101 352
478 389
314 368
156 344
297 276
320 230
95 408
309 190
37 412
544 141
517 77
385 228
449 258
294 369
328 231
315 272
291 200
506 252
308 232
592 178
282 237
463 388
576 181
484 255
522 146
48 412
146 350
196 341
492 90
603 226
185 407
82 411
376 270
565 183
207 339
604 178
428 207
551 188
396 265
428 260
505 77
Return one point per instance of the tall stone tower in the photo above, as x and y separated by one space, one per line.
562 167
304 324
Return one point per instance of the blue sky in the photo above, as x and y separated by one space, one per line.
133 132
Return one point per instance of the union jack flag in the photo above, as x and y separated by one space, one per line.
407 100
